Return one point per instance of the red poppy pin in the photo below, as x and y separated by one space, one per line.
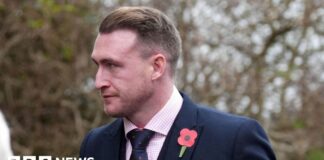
186 139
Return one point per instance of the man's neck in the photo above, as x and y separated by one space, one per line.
159 98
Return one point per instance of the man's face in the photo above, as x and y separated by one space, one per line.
123 76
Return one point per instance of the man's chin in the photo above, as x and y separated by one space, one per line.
112 113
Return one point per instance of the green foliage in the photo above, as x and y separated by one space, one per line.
2 7
67 53
54 7
299 124
35 24
315 154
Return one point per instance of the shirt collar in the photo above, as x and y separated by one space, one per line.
162 121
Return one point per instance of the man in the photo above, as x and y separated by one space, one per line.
136 52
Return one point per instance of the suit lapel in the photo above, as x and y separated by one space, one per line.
187 118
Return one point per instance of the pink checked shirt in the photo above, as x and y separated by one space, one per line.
160 124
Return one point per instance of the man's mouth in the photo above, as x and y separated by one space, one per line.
108 96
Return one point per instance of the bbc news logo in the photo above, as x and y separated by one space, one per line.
47 158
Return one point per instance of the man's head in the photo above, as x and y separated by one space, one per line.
154 30
136 53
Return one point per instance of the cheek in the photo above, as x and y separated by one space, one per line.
134 75
139 72
147 71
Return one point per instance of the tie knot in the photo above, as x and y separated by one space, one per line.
140 138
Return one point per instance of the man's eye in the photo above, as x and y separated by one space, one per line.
110 65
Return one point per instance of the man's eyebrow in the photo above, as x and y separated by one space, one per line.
94 61
106 60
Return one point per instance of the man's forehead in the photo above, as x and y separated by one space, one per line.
115 44
124 35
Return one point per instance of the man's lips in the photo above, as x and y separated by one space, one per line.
108 96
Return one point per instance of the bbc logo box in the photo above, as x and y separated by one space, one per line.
47 158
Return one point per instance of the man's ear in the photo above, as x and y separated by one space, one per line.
159 65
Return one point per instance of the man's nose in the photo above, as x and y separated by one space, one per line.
102 79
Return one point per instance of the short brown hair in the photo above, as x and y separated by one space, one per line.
153 27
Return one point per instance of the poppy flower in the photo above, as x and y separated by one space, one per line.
186 139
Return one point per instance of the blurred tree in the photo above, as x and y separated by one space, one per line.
263 59
45 74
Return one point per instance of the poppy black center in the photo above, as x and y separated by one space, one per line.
187 138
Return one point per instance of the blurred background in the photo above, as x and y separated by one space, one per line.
259 58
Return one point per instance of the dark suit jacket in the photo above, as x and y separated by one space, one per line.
221 136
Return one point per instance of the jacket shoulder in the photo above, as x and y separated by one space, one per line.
94 137
111 128
234 133
208 115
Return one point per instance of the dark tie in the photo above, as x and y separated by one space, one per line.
139 139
